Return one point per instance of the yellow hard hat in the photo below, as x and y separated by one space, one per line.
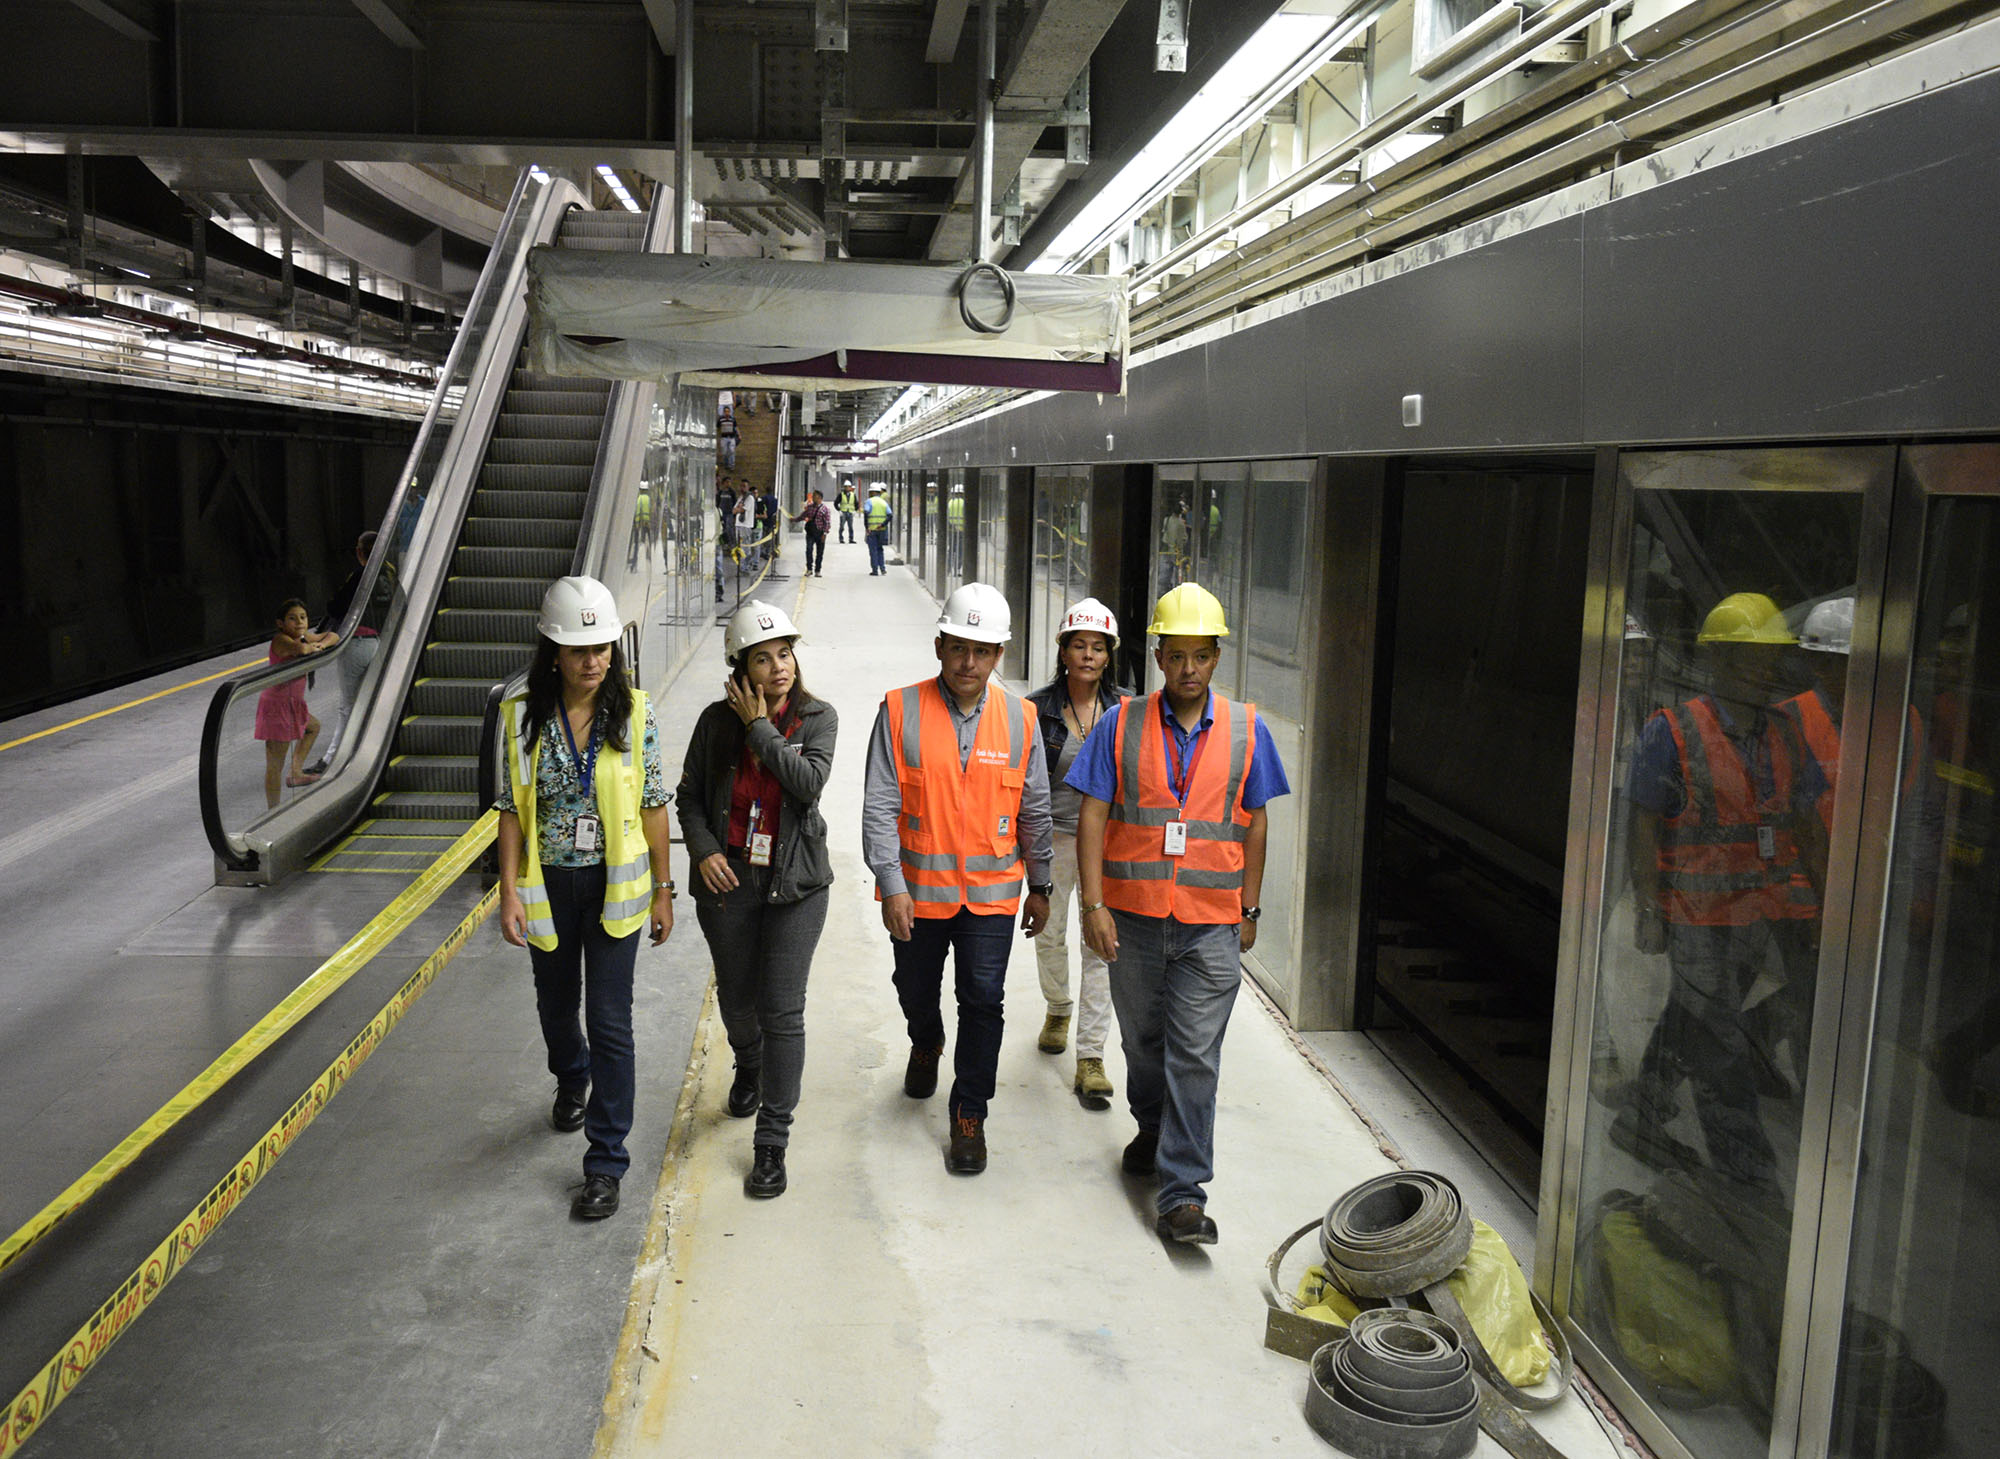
1188 609
1746 618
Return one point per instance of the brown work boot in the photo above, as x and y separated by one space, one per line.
968 1145
1187 1225
920 1074
1055 1034
1093 1088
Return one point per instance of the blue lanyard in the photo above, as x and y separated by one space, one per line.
586 770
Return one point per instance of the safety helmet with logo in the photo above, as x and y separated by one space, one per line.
977 612
1089 616
878 486
1829 628
579 611
1190 610
754 623
1745 618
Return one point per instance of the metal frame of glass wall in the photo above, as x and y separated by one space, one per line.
1765 1230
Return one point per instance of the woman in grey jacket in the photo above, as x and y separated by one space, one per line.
749 803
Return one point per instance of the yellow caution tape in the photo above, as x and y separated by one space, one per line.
325 980
34 1403
56 729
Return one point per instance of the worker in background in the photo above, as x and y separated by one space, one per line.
955 814
1170 866
1070 706
846 503
584 844
1727 858
876 522
954 534
816 517
360 651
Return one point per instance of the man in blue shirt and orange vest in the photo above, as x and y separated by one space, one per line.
1727 857
1170 864
954 816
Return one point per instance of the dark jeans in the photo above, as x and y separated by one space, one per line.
590 968
762 954
815 549
876 542
847 526
979 947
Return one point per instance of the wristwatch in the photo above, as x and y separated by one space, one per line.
1251 914
665 886
1041 888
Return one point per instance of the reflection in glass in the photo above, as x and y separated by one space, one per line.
1921 1286
1062 562
1709 933
991 553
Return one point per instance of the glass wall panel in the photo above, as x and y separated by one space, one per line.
1220 525
1919 1342
1708 930
1062 564
954 532
991 557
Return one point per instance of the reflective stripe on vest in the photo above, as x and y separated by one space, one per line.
873 520
620 787
1206 885
1711 874
954 850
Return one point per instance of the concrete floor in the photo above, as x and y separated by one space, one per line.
407 1280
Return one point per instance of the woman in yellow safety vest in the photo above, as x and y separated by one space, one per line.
583 865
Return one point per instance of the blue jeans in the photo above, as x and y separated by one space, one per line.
979 946
876 542
1173 986
589 968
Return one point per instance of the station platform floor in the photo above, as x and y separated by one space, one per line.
407 1281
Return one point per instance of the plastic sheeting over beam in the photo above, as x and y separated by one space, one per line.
654 316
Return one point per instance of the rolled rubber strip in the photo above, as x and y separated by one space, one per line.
1398 1385
1396 1234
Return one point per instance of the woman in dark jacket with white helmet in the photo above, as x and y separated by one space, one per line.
749 797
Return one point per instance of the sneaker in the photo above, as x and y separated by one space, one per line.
1055 1034
745 1092
1140 1156
920 1076
566 1114
1186 1225
1093 1088
767 1173
968 1146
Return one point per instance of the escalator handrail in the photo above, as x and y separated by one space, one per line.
498 270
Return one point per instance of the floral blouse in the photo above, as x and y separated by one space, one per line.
559 794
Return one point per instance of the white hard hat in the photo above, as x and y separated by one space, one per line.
754 623
1089 616
977 612
579 611
878 486
1829 628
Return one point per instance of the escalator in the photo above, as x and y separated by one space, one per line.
490 510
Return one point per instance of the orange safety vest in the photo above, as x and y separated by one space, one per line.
1808 713
1206 885
960 826
1712 872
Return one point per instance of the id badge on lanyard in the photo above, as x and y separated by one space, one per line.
1176 838
1767 843
760 841
1176 829
589 835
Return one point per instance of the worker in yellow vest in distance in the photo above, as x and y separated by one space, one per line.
1170 866
876 520
954 818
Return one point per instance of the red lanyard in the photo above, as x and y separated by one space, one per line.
1181 779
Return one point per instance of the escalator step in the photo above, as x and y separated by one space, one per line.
566 505
427 805
443 695
498 477
478 592
542 565
578 426
492 662
523 379
555 402
526 451
485 625
454 774
438 734
518 532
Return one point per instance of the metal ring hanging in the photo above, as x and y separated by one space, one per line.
972 321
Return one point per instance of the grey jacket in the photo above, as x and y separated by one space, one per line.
799 863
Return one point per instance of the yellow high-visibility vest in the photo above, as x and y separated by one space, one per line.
628 860
876 521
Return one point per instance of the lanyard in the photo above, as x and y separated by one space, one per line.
586 770
1180 779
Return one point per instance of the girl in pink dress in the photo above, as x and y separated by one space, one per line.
282 717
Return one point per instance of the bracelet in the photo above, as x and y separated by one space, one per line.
1085 909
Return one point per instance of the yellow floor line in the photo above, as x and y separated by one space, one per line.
132 704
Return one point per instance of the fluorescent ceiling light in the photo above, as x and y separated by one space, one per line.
1285 50
618 189
537 174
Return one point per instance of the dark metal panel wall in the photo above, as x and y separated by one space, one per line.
1841 284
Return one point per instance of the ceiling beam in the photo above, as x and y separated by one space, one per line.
947 24
395 20
664 17
120 20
